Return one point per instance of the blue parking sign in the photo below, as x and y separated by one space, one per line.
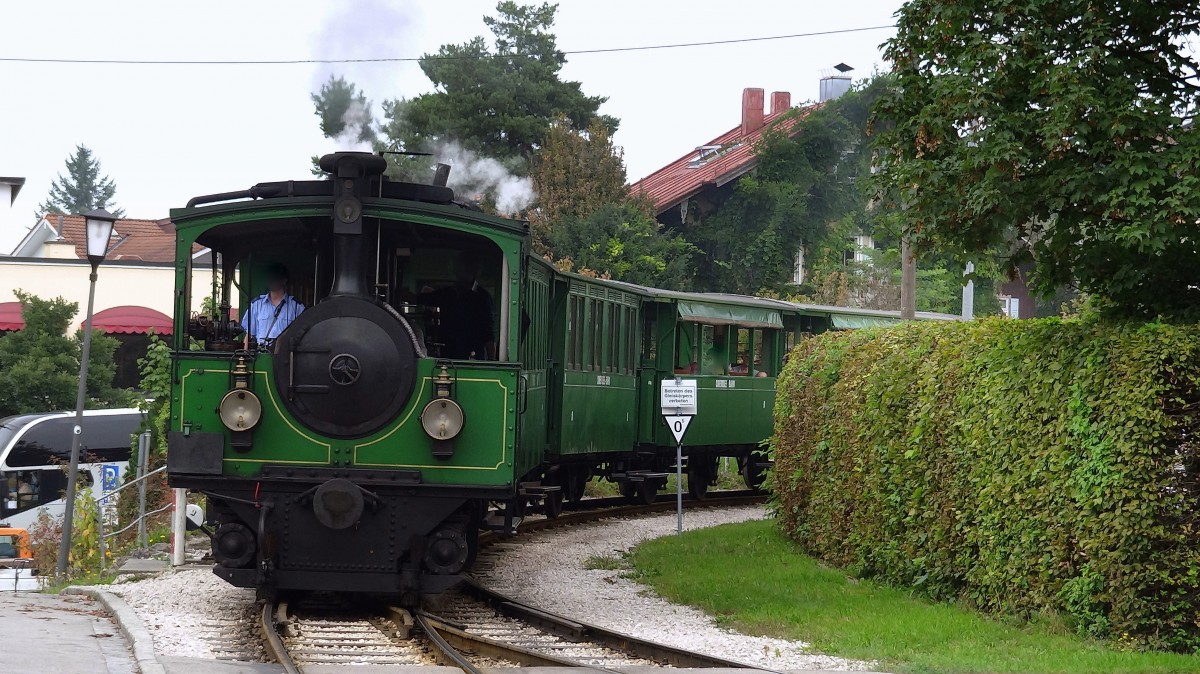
110 473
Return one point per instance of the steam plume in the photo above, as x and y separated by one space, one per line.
472 175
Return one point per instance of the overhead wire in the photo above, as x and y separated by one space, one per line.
430 57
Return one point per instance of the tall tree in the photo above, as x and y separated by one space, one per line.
344 111
496 99
574 174
39 365
1059 132
82 189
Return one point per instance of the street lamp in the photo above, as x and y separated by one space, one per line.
99 231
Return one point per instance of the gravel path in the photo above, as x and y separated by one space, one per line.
181 608
603 597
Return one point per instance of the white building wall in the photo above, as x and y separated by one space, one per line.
150 286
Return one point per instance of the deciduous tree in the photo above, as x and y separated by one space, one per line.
623 242
82 189
574 174
39 365
1062 132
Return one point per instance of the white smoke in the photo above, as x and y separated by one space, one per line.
355 118
472 176
367 29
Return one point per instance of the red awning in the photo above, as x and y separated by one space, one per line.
10 316
130 320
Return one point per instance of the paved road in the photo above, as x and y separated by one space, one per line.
55 634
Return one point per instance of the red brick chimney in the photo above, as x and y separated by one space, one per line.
752 110
780 101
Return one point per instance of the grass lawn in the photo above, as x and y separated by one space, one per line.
755 581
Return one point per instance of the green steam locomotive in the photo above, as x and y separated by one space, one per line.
429 379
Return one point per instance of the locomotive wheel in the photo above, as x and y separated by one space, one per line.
552 503
573 485
639 493
697 483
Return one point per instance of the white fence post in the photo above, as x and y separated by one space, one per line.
143 457
179 526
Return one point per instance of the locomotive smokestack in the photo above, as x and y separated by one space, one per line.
351 176
440 175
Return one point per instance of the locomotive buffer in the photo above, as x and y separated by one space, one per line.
677 397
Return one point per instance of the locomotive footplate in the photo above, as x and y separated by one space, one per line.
343 529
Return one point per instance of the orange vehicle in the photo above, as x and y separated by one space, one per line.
14 544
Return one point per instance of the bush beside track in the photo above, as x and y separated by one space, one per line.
1021 467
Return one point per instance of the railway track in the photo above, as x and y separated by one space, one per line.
591 510
339 634
473 627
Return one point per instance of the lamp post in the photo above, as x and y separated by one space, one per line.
99 231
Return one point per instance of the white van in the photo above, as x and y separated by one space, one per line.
35 450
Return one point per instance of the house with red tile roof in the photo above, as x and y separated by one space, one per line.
134 288
704 177
63 236
698 182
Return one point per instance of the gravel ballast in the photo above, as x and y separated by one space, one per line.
182 608
563 585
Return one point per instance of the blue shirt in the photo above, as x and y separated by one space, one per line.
260 321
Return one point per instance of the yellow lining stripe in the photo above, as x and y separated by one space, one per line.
503 433
274 403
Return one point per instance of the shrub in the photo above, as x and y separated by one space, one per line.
1021 467
45 535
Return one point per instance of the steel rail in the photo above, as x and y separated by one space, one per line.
606 510
274 643
580 631
444 649
491 648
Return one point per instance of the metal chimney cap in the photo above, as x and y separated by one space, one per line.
843 68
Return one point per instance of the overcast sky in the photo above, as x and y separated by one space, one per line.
166 133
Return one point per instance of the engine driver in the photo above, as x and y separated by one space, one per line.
273 311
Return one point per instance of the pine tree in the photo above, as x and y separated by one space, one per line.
82 189
344 111
497 99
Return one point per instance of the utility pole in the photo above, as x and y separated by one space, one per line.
908 281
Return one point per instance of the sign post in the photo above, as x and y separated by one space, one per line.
678 402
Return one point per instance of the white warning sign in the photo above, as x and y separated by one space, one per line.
678 397
678 425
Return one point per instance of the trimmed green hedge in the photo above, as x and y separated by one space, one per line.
1022 467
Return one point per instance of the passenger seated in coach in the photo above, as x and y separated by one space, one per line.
690 369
